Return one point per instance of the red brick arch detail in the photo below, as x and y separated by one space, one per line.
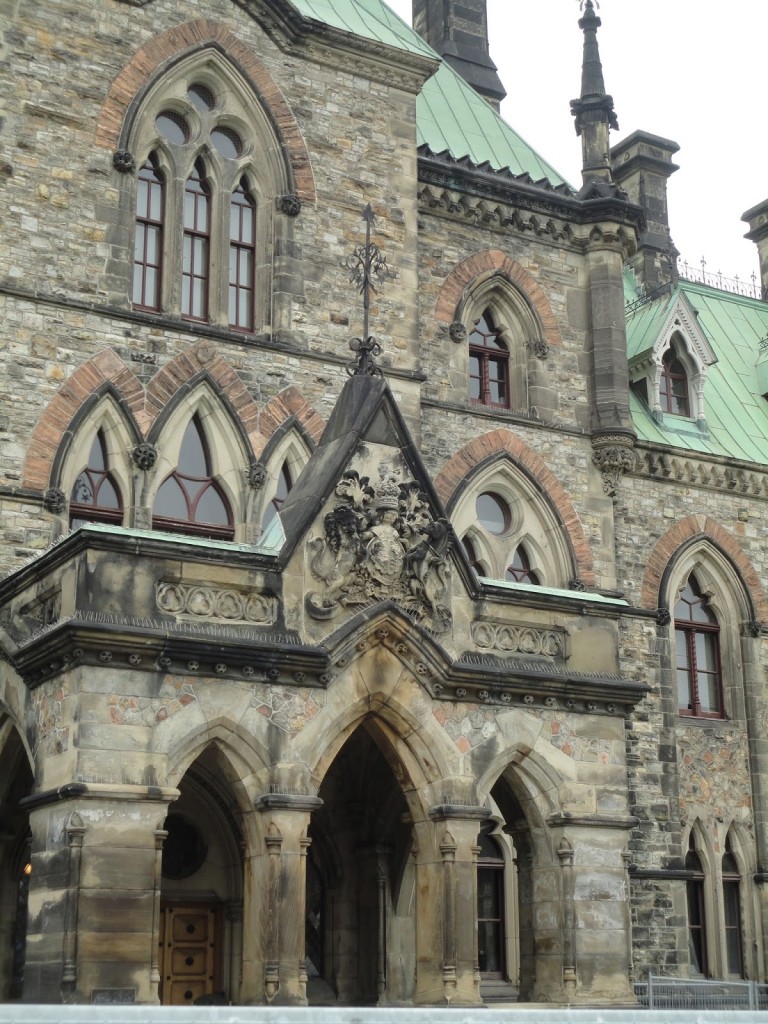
504 442
146 404
195 35
700 527
104 367
496 261
289 403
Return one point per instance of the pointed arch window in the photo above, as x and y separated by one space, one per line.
190 500
473 557
674 396
697 919
490 908
488 364
242 257
284 485
734 947
148 239
697 644
95 495
196 245
520 570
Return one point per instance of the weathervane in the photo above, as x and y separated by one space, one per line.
367 268
589 3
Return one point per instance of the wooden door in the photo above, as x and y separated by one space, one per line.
188 953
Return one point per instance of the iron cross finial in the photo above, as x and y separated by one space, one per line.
367 267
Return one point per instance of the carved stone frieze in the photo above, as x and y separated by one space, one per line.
205 602
509 639
381 542
719 476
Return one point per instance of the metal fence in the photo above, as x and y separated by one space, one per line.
701 994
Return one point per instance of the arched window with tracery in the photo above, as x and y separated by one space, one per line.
697 645
734 945
697 915
488 364
242 256
95 496
148 241
474 558
520 569
209 160
196 245
190 499
284 485
491 928
674 395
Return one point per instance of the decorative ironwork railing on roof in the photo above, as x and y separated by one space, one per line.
751 288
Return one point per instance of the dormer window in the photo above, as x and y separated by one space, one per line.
674 396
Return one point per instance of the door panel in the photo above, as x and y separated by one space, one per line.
188 953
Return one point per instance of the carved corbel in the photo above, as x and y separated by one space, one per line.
613 455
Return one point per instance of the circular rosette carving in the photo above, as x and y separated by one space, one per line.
290 205
144 455
457 332
123 161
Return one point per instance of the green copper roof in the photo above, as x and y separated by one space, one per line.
736 413
450 116
371 19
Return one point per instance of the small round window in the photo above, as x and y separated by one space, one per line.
200 96
493 513
228 142
173 127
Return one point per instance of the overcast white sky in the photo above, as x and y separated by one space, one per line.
689 70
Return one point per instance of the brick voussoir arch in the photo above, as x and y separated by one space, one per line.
104 367
282 407
190 37
503 442
700 527
491 261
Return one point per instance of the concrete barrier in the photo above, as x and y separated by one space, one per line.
28 1014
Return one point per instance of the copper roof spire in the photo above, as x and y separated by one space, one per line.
593 110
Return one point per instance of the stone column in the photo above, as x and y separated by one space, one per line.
274 968
93 893
595 940
446 910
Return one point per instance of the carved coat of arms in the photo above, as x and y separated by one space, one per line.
381 541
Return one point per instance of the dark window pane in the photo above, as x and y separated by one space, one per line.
171 501
492 513
173 127
200 96
210 508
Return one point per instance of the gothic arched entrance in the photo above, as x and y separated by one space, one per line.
15 783
200 927
360 933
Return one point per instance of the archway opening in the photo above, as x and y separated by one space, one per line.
513 963
360 934
16 782
201 908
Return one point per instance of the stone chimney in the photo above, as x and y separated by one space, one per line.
642 165
458 31
757 218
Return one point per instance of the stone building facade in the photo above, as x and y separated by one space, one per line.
423 668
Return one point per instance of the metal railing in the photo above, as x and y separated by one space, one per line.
702 994
751 288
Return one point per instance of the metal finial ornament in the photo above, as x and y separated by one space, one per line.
367 349
367 268
589 4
